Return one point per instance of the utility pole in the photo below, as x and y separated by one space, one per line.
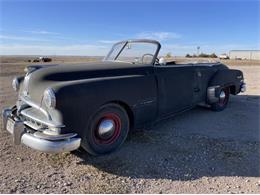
198 50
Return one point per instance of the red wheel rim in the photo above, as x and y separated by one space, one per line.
117 129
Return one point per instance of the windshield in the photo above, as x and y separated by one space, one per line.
133 52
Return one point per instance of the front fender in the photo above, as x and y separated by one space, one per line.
79 100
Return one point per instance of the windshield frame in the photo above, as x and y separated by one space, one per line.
124 43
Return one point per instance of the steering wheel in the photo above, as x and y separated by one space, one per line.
148 54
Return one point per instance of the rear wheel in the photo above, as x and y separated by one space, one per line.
223 100
107 130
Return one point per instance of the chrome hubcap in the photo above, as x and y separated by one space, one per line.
106 129
222 95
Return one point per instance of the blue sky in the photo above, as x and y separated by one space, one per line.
67 27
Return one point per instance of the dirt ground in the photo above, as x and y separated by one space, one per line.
199 151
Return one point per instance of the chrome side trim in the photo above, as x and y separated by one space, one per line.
174 66
189 65
34 105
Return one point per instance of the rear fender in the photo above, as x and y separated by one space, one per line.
228 78
224 78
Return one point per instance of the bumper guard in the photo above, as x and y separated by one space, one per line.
38 140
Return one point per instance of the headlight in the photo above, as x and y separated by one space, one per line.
49 98
15 84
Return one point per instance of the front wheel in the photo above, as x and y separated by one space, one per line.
107 130
223 100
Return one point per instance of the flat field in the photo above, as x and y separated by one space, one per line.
199 151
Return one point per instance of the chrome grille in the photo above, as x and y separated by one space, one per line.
35 116
33 123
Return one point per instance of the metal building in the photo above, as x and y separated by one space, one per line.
245 54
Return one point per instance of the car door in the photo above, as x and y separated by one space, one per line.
176 87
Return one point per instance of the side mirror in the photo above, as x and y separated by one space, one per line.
162 61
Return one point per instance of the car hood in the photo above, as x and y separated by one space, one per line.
51 75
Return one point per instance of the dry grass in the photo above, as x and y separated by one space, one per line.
55 59
23 60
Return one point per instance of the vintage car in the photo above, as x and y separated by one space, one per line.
94 105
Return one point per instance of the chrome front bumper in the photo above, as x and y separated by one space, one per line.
38 140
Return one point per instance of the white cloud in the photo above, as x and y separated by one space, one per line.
20 38
160 36
108 41
80 49
42 32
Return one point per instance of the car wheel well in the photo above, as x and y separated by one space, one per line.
128 111
232 89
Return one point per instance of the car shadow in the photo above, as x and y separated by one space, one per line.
191 145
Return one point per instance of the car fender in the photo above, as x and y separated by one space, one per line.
79 100
227 78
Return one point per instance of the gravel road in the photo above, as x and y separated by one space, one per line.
199 151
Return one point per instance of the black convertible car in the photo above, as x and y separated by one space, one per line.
94 105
